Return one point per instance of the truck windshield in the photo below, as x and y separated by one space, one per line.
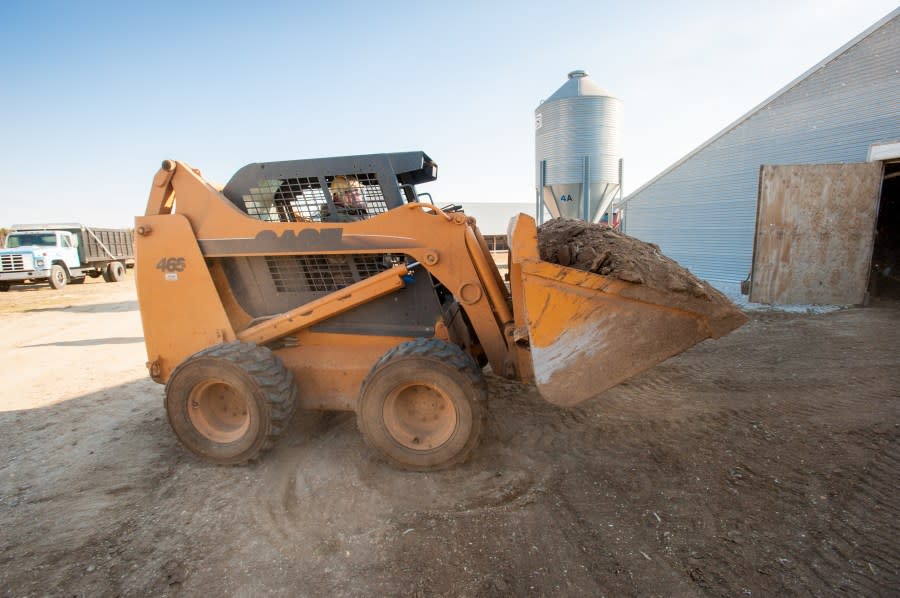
48 240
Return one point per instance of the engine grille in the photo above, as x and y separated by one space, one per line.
325 273
12 263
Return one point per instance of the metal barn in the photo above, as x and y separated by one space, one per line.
703 210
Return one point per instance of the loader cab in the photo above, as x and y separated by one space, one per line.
303 190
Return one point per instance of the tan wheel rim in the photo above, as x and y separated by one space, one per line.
420 417
218 412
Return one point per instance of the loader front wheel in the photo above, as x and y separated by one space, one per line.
228 403
422 405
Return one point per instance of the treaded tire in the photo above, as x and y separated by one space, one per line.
114 272
58 277
422 405
228 403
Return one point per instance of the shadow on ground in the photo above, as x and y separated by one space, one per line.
117 306
118 340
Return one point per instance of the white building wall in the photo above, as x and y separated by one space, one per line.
702 210
493 218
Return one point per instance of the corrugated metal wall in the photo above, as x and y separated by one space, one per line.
702 211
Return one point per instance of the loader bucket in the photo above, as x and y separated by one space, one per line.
589 332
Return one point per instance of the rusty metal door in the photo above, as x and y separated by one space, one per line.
815 225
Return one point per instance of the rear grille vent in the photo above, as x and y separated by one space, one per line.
12 263
325 273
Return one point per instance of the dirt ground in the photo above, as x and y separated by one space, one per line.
762 464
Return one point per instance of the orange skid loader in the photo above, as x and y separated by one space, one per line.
325 284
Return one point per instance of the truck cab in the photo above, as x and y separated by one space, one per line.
39 255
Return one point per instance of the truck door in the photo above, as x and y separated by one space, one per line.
68 250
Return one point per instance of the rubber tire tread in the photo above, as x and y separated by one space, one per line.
114 272
58 286
448 354
270 375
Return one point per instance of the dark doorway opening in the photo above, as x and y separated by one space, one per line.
884 280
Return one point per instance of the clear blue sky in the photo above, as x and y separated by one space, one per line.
96 94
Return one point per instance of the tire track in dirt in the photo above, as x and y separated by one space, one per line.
857 551
330 507
328 458
867 518
763 439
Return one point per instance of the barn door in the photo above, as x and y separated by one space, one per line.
814 231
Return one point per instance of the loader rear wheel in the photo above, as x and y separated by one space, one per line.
114 272
422 405
228 403
58 277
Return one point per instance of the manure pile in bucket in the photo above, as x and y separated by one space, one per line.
599 249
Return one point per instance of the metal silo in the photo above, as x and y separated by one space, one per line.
578 141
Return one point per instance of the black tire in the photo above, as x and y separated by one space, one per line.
422 405
4 287
114 272
246 380
58 277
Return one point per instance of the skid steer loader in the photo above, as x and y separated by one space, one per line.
272 294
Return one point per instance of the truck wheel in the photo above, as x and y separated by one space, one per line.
422 405
228 403
58 277
4 287
114 272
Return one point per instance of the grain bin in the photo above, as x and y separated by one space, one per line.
578 137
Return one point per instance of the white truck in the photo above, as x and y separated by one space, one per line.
64 253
